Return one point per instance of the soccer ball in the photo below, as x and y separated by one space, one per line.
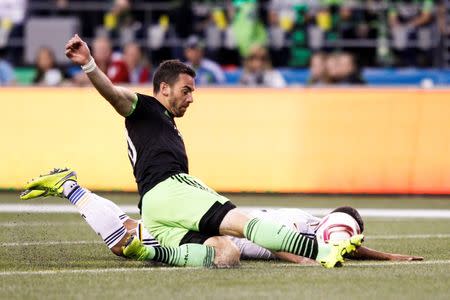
336 227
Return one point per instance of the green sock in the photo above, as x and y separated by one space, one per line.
187 255
276 237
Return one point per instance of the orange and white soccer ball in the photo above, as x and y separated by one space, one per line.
336 227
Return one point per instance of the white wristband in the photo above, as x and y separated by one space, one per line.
90 66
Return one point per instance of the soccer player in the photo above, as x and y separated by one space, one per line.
301 221
176 207
104 217
113 225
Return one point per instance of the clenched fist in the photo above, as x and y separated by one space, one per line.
78 51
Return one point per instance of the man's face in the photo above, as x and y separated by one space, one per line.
132 55
101 50
332 67
194 55
345 65
180 95
317 68
257 61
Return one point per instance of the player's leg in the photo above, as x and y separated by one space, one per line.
218 251
277 237
183 202
188 255
227 254
103 216
110 222
182 210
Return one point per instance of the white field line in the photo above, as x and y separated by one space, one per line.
155 269
365 212
37 224
48 243
374 237
380 264
409 236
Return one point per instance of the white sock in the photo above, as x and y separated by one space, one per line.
97 212
70 185
117 210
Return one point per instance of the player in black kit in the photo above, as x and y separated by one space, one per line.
176 207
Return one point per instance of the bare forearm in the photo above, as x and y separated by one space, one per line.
120 98
293 258
367 253
114 95
364 253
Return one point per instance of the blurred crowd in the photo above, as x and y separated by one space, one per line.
336 39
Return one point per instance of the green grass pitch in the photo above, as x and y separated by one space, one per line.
54 256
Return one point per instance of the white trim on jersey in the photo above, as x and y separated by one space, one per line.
132 153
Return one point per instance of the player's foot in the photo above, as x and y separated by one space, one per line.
331 256
135 249
50 184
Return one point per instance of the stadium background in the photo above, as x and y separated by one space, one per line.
376 128
317 135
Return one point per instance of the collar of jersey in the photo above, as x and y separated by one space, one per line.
166 112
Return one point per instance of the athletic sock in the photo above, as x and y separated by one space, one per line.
187 255
276 237
97 212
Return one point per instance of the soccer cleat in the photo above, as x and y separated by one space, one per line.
135 249
50 184
31 194
334 256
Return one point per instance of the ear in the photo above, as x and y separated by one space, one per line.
165 89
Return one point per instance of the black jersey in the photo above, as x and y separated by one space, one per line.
155 146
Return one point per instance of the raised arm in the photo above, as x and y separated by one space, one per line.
120 98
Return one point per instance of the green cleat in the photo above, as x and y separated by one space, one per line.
135 249
331 256
50 184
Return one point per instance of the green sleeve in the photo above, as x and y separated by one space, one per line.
133 105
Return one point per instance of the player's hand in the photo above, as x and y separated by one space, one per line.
78 51
401 257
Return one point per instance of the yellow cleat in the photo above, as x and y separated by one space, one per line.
135 249
332 255
30 194
50 184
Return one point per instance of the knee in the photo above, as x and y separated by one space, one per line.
230 256
234 223
227 254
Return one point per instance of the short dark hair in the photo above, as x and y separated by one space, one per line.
168 72
353 213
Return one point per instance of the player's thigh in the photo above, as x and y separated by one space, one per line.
184 201
168 236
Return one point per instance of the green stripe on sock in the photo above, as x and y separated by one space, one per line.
276 237
188 255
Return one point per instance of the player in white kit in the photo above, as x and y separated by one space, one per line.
106 217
